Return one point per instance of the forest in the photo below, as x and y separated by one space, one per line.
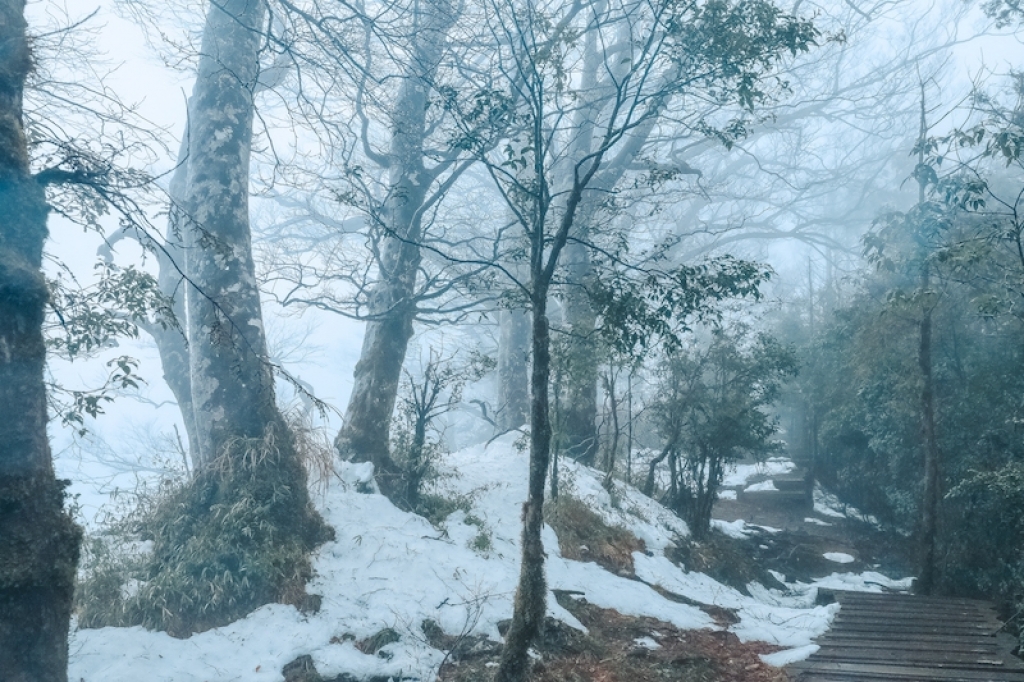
347 340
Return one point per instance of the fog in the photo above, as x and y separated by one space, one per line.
641 239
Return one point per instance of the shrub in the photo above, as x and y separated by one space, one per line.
231 538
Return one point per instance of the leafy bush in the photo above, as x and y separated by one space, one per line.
984 543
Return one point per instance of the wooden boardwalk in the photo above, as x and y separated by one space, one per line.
878 637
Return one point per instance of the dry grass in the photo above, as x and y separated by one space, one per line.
584 536
608 652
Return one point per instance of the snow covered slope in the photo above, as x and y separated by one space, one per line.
391 569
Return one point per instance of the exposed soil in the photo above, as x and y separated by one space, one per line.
620 648
792 540
804 536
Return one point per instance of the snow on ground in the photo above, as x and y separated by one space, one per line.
787 656
786 625
839 557
727 494
827 504
741 473
734 529
388 568
763 486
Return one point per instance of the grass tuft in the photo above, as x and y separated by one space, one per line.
218 545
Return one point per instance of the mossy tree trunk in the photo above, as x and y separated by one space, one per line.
39 543
531 592
232 384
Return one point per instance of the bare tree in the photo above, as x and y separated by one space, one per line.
391 164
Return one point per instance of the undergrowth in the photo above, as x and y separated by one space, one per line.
584 536
208 550
728 560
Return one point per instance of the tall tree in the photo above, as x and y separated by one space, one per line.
393 300
249 526
39 543
654 51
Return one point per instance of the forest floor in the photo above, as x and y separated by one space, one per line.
764 535
632 596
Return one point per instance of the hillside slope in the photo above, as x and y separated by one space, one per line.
396 590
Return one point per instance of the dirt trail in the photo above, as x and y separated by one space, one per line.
797 538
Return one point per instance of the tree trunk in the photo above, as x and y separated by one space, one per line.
929 518
232 382
579 420
513 369
171 342
531 592
925 583
365 435
39 542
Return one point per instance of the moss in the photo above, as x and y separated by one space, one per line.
39 548
40 543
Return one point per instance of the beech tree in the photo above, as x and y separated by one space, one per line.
237 533
389 165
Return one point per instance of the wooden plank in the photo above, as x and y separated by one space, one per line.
812 676
953 617
918 658
939 637
904 628
877 637
987 647
902 672
877 605
898 598
910 647
907 631
909 611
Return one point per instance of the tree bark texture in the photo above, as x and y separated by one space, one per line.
171 342
365 435
39 543
531 592
232 382
579 419
925 583
513 369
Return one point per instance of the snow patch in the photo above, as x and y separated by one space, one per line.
763 486
787 656
647 643
389 568
734 529
839 557
741 473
